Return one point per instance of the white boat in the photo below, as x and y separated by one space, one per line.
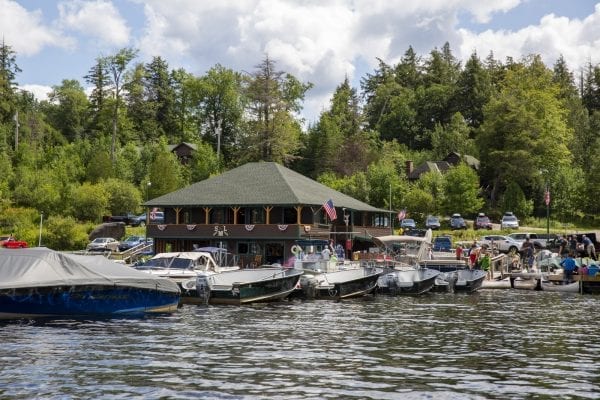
401 259
549 286
496 283
324 276
206 276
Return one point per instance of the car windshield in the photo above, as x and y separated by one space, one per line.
510 218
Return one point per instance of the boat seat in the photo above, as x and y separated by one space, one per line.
404 284
461 282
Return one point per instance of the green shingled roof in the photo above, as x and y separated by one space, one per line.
257 184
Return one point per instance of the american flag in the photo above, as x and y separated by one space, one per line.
401 215
330 209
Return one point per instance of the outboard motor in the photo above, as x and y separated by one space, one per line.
203 287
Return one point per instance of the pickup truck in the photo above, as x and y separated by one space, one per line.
539 240
10 242
127 219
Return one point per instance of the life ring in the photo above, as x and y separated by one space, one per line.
296 249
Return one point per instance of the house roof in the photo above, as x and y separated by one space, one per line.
428 166
256 184
172 147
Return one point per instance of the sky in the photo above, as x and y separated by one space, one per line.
318 41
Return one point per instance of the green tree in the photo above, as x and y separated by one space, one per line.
514 200
99 167
274 99
67 109
123 197
8 72
474 90
116 66
63 233
462 190
90 202
525 128
219 105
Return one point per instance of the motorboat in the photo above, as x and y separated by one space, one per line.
325 276
39 282
556 286
207 276
401 257
245 286
468 280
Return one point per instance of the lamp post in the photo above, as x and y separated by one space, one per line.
147 210
544 173
346 221
41 222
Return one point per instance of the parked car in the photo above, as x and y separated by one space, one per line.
442 243
103 244
10 242
139 220
131 242
509 221
539 240
457 222
157 217
482 222
432 222
503 243
408 223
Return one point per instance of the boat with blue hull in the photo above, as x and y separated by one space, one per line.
40 282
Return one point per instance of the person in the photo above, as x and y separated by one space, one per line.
527 253
563 248
473 255
485 262
573 245
326 253
589 247
568 265
459 252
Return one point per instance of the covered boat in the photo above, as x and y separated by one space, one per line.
40 282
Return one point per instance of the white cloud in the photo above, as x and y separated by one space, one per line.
25 30
40 92
578 41
316 41
98 19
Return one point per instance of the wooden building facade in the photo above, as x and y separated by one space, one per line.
258 211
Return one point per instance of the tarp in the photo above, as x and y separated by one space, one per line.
41 267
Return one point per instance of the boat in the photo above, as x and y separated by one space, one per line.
550 286
468 280
245 286
39 282
207 276
502 283
325 276
401 259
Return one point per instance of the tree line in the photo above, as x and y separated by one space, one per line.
76 157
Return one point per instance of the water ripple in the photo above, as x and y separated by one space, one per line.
490 345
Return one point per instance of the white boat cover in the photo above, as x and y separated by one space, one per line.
42 267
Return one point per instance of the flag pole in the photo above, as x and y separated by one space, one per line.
391 218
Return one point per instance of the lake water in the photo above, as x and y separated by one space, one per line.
496 344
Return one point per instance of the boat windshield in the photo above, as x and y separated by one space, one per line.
168 262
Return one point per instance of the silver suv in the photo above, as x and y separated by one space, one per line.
509 221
